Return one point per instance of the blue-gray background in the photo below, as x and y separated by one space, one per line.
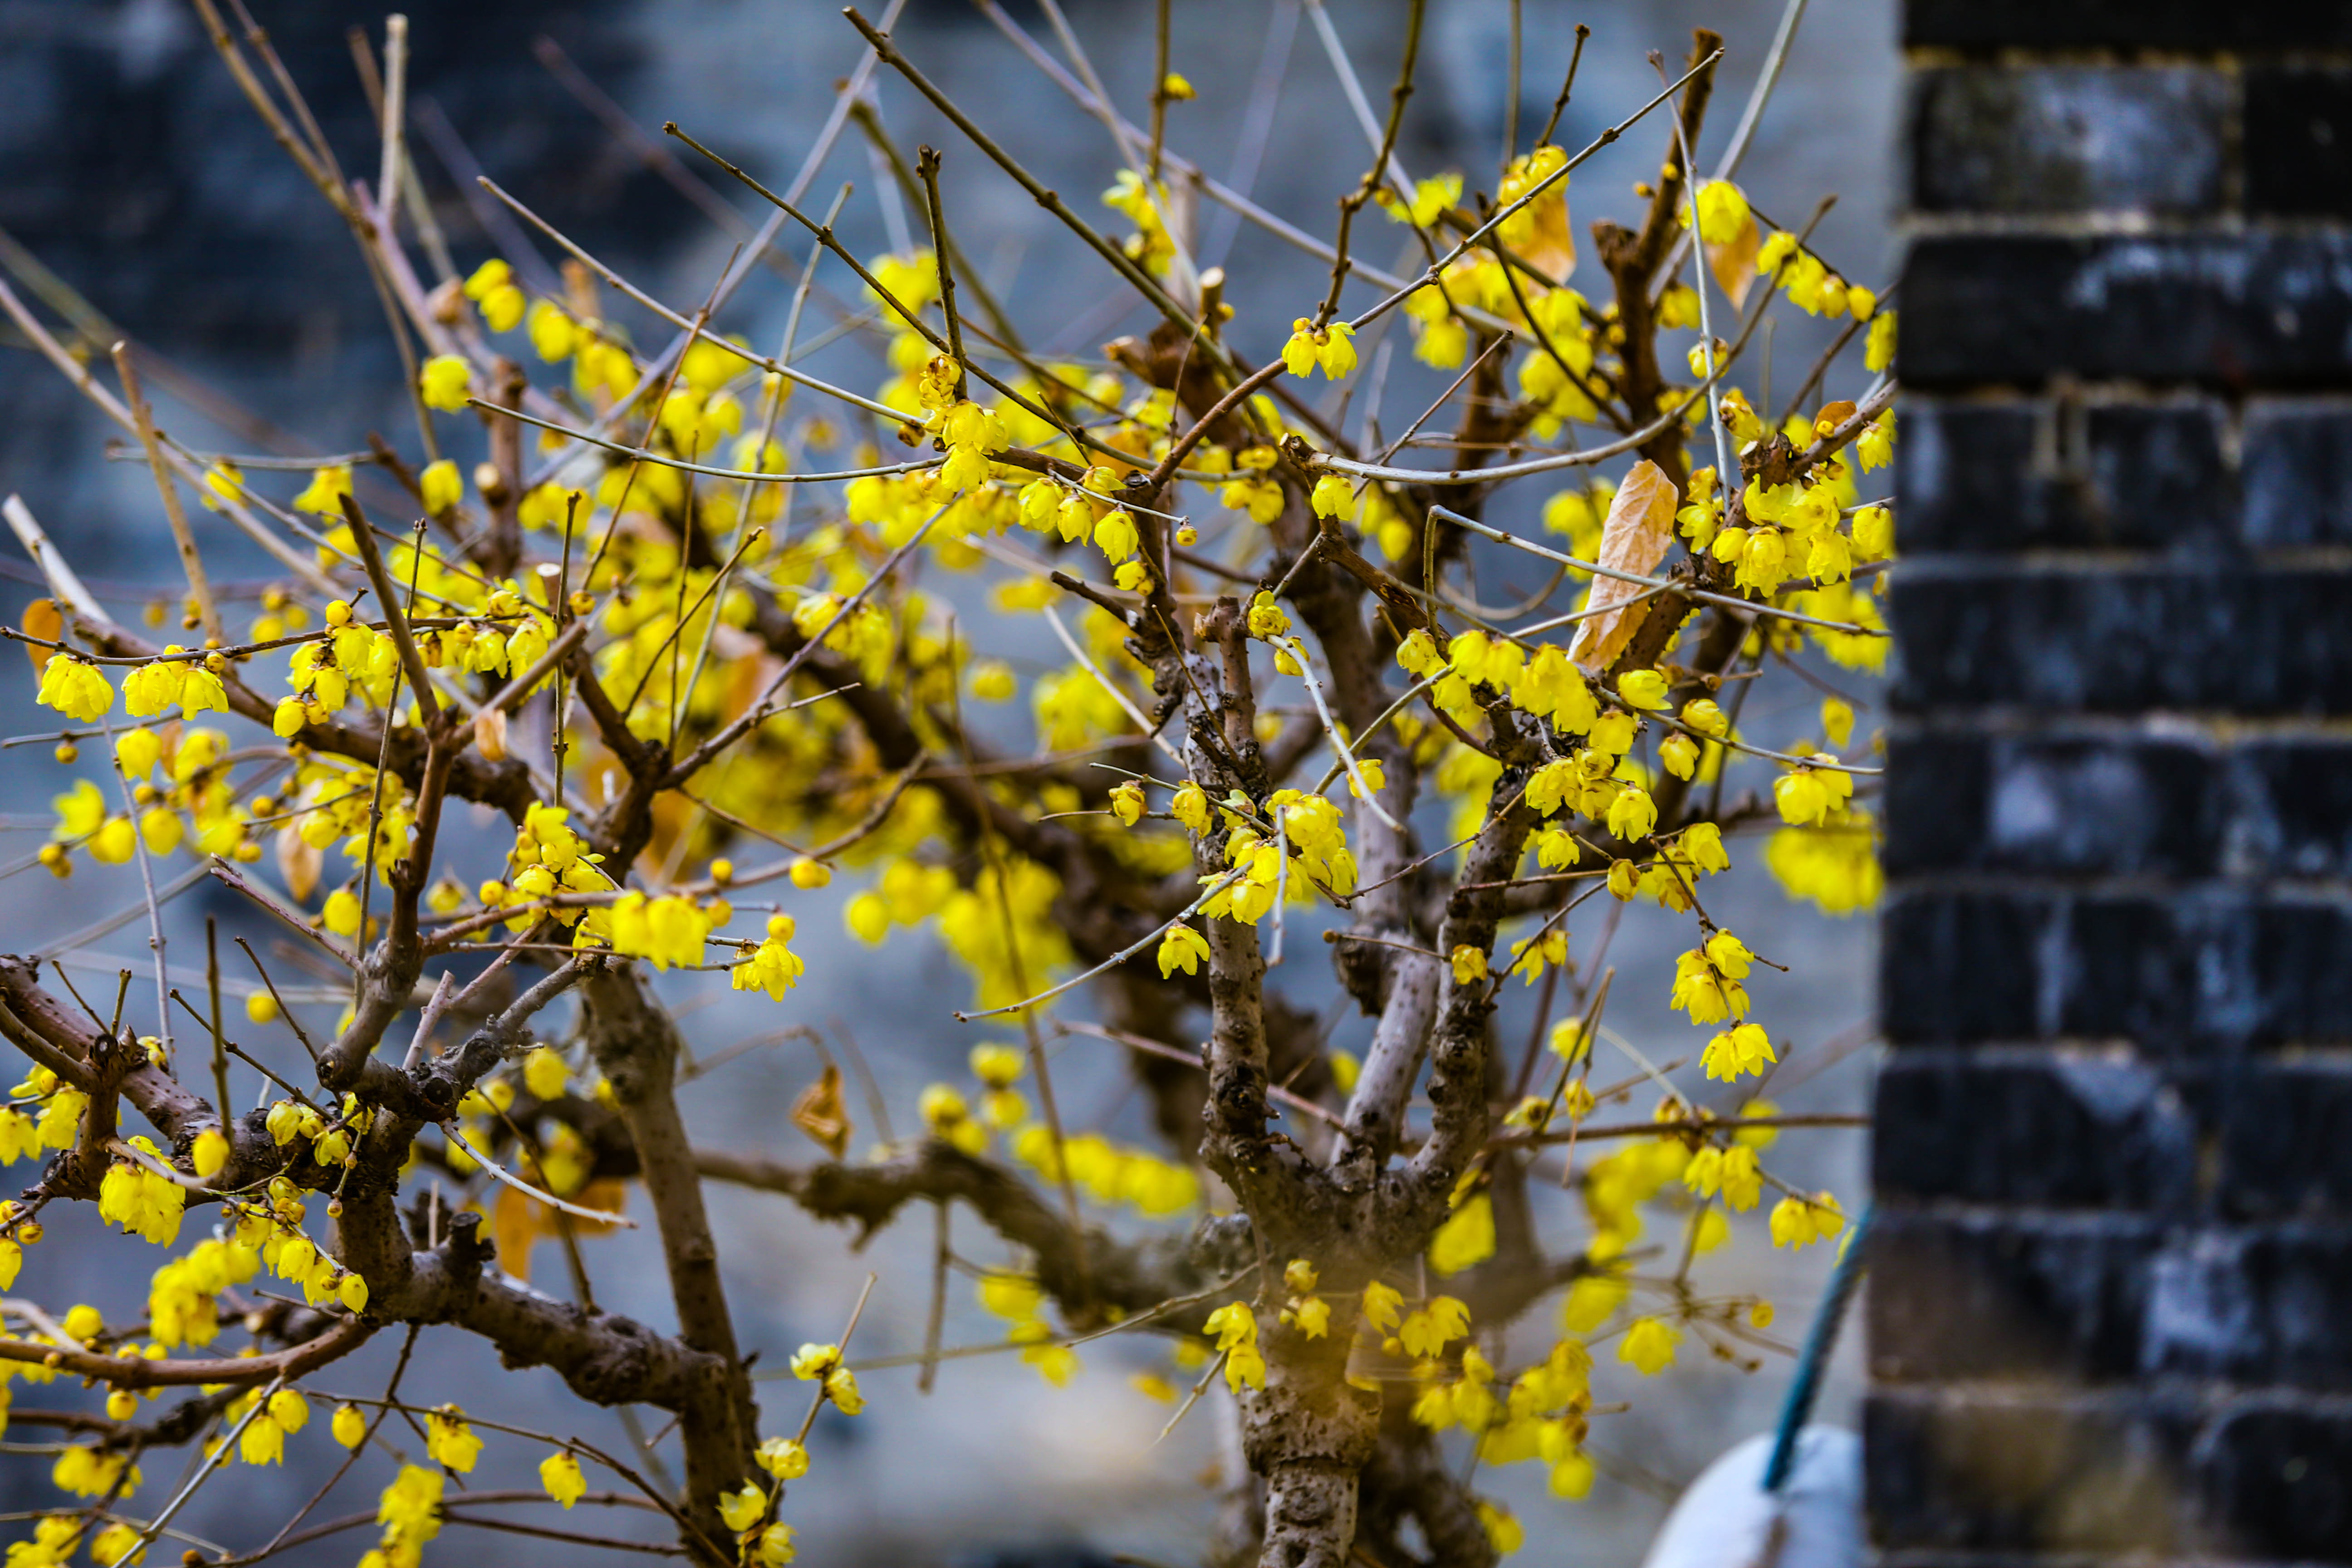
130 167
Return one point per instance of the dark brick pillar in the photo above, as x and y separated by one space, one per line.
2111 1300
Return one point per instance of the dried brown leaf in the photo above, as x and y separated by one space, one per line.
820 1113
1641 524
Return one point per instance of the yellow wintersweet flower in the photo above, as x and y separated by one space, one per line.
1504 1531
1430 198
993 681
117 1542
1649 1345
162 829
1466 1238
1722 212
560 1474
1235 1327
289 1409
1703 842
1189 806
1741 1050
441 485
449 1440
1126 803
1800 1222
1332 497
1632 815
1266 617
76 689
1806 795
341 913
1874 533
772 966
1644 689
553 333
1383 1305
1469 964
545 1073
1704 993
138 751
783 1457
263 1441
1330 346
1427 1332
326 489
1183 948
743 1508
349 1425
841 1387
1878 343
445 382
79 811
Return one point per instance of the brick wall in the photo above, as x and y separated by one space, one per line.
2111 1300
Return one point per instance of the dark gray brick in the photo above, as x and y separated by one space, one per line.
2262 1308
2302 971
1961 966
1977 478
1976 1298
2040 1474
2296 469
2290 809
2188 974
2113 806
2237 312
2068 139
2297 134
2045 1131
2259 641
2274 1477
2285 1140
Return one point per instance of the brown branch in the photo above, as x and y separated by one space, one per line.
1107 1272
131 1371
637 1045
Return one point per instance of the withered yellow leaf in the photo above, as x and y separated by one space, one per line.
43 621
519 1222
1641 524
297 863
490 734
1734 262
820 1113
1551 246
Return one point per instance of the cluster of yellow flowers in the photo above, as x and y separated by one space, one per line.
1109 1172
